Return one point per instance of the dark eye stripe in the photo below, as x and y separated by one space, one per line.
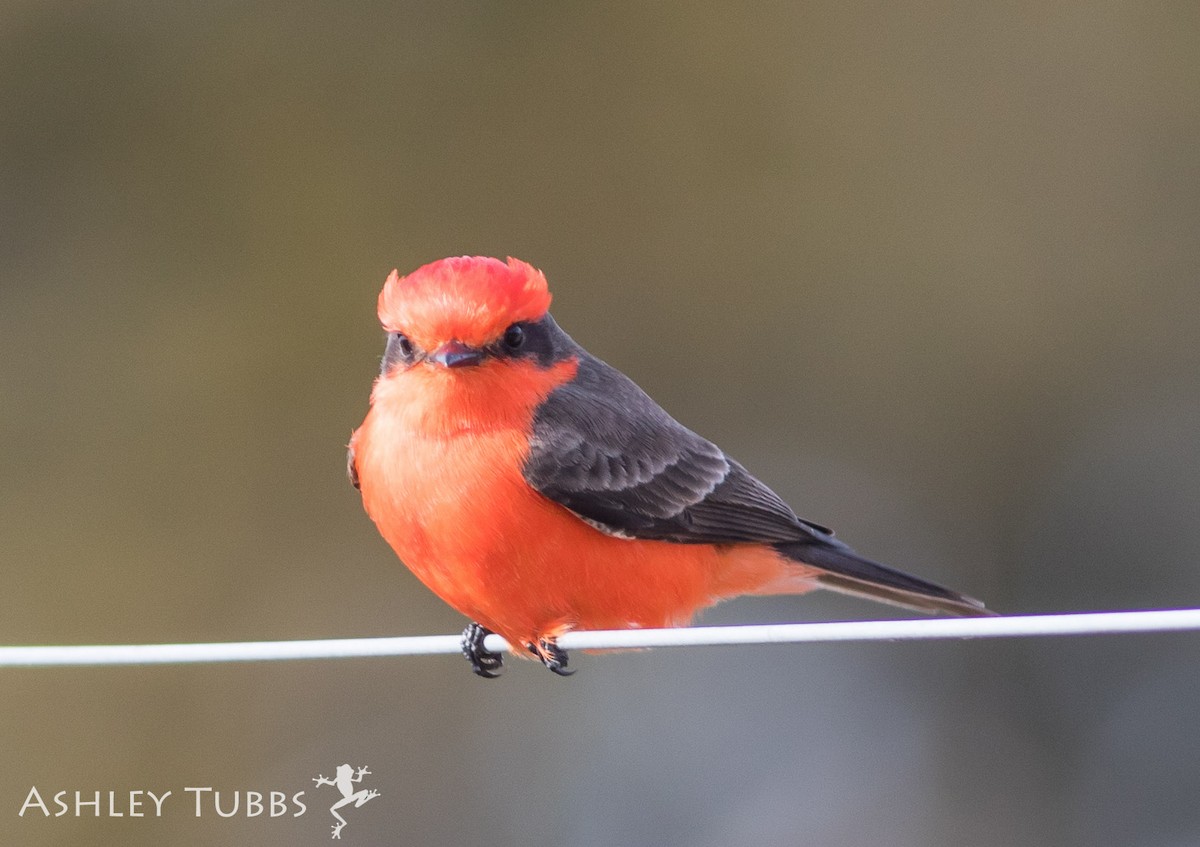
539 341
399 351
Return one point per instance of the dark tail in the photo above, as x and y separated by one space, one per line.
849 573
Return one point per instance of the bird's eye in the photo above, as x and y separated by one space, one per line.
514 337
399 352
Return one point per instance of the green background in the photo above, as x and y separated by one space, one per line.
928 269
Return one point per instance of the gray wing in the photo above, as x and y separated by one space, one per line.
607 452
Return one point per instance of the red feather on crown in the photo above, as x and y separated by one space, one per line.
472 299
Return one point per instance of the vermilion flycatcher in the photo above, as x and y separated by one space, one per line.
538 490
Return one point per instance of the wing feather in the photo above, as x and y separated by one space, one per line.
607 452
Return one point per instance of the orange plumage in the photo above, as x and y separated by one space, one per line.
443 460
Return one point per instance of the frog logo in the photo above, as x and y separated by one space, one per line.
344 782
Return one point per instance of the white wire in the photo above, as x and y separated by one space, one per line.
1091 623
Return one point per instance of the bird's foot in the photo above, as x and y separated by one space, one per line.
551 655
484 662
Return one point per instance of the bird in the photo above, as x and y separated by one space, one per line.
538 490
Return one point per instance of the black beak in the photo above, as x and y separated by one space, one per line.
455 354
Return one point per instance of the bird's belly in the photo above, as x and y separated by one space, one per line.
447 505
469 527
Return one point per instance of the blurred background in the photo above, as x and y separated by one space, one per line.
930 270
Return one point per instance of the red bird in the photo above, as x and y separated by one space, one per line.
538 490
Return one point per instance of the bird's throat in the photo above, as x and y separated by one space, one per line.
437 402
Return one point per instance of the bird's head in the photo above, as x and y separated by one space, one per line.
467 311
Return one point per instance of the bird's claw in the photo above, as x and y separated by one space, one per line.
484 662
551 655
